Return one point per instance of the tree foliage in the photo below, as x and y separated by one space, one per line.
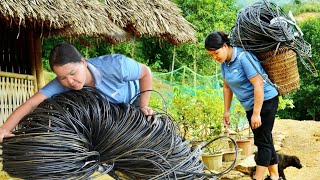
206 16
307 100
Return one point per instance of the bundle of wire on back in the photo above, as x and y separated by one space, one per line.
70 135
264 27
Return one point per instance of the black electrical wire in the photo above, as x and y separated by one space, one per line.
264 26
71 134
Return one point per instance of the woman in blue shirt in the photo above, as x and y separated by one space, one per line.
259 99
118 78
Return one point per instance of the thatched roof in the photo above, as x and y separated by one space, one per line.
150 17
115 20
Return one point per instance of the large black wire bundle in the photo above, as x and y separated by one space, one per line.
70 135
264 26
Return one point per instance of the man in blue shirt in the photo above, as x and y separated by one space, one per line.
118 78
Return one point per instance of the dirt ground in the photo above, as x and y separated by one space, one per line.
302 139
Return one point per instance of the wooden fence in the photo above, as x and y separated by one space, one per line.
15 89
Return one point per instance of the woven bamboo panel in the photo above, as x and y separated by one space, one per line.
15 89
282 69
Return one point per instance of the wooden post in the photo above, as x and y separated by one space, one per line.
31 54
195 68
217 80
38 60
133 48
183 76
173 59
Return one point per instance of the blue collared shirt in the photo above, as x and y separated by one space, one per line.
237 73
116 76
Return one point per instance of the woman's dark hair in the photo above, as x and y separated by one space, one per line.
216 40
64 53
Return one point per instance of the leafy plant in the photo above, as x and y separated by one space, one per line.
285 103
215 147
237 118
198 111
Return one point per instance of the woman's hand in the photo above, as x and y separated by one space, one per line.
4 133
226 120
255 121
148 112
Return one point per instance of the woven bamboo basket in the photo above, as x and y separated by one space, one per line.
282 69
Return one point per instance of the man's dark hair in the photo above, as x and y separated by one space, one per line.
64 53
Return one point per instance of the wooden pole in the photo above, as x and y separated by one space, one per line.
38 60
195 68
31 57
183 76
87 52
112 50
16 75
173 59
217 82
133 48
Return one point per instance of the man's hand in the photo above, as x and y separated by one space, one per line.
148 112
4 133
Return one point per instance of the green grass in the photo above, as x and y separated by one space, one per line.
302 8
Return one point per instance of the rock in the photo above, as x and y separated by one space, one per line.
247 165
277 147
233 175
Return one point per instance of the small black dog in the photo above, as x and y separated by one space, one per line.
285 161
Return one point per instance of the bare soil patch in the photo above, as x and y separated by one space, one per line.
302 139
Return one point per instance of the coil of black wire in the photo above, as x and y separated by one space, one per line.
264 26
70 135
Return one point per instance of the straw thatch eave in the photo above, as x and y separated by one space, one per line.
63 17
90 19
114 20
155 18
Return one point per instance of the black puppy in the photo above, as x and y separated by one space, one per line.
285 161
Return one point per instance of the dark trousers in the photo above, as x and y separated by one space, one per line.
266 155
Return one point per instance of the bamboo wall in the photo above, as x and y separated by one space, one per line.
20 60
14 90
